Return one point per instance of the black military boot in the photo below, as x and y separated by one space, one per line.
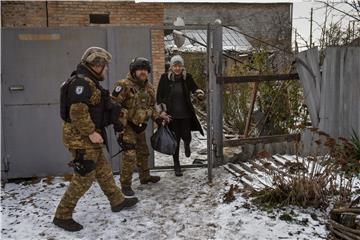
177 167
152 179
127 203
187 149
67 224
127 191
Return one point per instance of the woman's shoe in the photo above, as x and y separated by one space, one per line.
177 167
178 172
187 149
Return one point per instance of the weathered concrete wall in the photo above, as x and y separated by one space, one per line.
270 22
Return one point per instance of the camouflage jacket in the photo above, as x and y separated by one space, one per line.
85 95
137 100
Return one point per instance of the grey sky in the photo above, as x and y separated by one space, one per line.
301 16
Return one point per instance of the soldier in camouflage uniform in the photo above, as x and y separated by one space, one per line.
85 108
137 98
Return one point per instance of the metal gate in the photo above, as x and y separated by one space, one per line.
35 61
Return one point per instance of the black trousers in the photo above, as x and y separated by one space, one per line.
182 130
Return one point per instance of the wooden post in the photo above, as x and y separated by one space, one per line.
209 90
253 100
311 26
218 94
214 98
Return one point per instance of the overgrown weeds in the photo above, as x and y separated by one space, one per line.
316 181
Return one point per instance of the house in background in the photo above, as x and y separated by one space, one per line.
194 50
196 39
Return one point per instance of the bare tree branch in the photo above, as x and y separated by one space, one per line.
339 10
355 5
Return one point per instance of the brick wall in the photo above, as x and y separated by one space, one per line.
23 14
158 55
76 13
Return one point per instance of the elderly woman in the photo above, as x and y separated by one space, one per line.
173 95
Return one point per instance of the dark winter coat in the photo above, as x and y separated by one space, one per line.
189 86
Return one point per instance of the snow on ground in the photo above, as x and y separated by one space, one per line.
175 208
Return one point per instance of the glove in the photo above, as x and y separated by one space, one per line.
200 95
159 121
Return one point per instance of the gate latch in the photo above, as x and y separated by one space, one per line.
16 88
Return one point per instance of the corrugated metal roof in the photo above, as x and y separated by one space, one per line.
231 41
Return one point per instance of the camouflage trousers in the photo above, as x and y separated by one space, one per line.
80 184
137 156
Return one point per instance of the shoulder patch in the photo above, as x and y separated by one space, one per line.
79 91
120 86
118 89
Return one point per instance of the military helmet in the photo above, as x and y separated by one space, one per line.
140 63
96 56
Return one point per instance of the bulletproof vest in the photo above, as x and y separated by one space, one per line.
139 110
64 102
99 112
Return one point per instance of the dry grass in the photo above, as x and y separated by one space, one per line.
315 181
229 196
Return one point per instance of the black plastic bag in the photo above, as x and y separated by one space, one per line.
164 141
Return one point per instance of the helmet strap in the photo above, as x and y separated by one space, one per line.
98 75
102 69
